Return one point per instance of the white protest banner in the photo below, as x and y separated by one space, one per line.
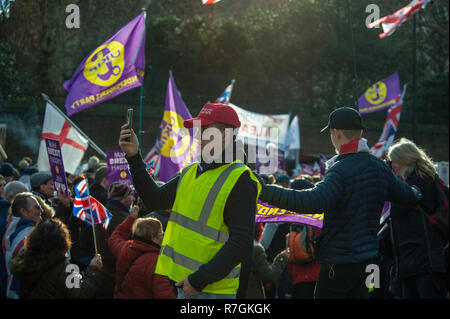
257 126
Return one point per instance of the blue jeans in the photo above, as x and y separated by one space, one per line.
203 295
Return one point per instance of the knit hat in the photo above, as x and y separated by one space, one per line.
39 178
118 189
7 169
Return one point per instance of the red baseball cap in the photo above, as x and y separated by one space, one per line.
215 113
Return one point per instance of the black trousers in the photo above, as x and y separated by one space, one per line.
304 290
426 286
342 281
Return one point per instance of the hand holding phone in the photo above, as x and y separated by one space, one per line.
130 119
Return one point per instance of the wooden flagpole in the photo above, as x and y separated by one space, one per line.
92 218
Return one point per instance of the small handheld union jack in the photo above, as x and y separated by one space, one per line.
82 207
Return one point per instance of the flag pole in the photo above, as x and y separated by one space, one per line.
414 117
92 218
232 86
144 11
94 146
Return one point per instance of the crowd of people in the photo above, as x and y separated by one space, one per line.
196 237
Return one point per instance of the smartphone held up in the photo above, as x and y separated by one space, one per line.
130 120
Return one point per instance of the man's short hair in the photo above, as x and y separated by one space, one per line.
20 201
352 134
13 188
100 174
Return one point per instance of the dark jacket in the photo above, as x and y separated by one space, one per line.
85 248
119 213
45 277
99 193
418 246
239 216
352 196
4 208
135 266
263 271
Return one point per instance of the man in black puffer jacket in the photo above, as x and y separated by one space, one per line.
352 196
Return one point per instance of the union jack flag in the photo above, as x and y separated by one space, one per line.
390 127
205 2
391 22
83 203
224 98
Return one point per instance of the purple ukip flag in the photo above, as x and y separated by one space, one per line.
116 66
178 148
381 95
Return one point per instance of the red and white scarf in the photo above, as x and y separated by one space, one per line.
358 145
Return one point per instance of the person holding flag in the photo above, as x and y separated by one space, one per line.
213 205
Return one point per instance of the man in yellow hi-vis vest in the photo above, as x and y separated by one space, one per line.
212 204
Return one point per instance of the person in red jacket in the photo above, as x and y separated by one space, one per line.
136 259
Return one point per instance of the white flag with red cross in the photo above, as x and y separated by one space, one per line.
73 144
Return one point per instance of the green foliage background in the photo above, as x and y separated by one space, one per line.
286 56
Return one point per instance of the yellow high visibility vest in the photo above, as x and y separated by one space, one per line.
196 230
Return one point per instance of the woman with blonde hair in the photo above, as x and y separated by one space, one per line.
418 246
